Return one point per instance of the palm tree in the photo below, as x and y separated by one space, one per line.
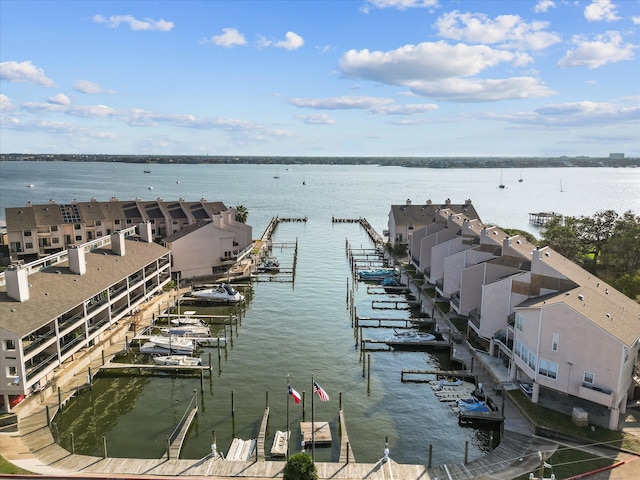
241 214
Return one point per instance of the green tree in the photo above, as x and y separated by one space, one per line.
241 214
300 467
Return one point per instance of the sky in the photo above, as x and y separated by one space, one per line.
400 78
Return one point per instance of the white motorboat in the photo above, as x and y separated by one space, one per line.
178 360
224 293
187 331
270 265
187 319
168 345
408 339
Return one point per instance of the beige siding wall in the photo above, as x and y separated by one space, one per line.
495 307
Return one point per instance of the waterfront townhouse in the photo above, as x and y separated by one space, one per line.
575 335
38 230
55 307
405 219
556 326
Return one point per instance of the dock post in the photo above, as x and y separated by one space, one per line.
73 444
233 409
59 399
347 452
266 399
48 417
103 354
104 446
369 373
202 379
364 366
168 448
340 401
430 454
466 452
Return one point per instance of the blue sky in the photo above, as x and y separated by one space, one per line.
321 78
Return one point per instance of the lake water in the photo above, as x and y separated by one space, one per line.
296 330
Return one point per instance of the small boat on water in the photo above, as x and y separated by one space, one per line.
186 320
280 443
472 404
187 330
270 265
392 285
214 342
179 360
168 345
376 274
223 293
410 338
30 185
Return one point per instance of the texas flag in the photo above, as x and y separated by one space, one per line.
296 396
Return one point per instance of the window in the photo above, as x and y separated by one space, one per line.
77 226
27 233
548 369
9 345
519 321
98 223
78 238
12 371
99 234
129 221
28 245
55 240
589 377
554 342
54 228
117 222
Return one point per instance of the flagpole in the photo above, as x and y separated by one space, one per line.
287 434
313 425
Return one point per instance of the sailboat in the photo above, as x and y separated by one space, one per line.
147 170
521 179
561 190
501 184
276 175
304 179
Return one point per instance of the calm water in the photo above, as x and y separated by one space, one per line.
302 328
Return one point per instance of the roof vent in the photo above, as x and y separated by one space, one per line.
581 297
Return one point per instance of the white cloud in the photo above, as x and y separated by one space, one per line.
483 90
635 20
5 104
504 30
600 10
229 38
292 41
376 105
348 102
435 70
24 72
85 86
147 24
606 48
544 5
588 112
316 119
398 4
59 99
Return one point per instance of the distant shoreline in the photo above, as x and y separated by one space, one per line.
409 162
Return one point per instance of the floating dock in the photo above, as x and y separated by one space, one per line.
280 444
315 432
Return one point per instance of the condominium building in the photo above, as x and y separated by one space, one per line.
55 307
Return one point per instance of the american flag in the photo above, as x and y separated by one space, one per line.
320 391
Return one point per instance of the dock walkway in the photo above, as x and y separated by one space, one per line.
180 433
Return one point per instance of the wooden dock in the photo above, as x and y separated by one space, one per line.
154 368
369 345
384 322
417 376
241 450
176 439
262 435
315 432
394 304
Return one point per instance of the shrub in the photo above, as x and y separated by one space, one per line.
300 467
